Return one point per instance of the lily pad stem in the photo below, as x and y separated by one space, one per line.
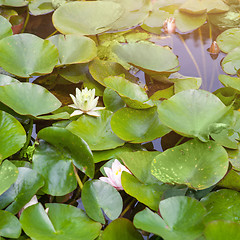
179 141
52 34
80 184
26 22
127 208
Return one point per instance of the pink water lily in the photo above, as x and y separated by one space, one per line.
114 174
169 26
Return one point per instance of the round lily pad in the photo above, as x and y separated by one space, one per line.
12 135
96 131
191 112
138 126
86 17
228 81
196 164
193 7
6 28
14 3
26 54
42 101
60 223
147 56
5 80
74 48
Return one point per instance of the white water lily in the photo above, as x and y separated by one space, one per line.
85 102
114 174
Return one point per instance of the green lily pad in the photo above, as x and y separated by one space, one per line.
86 18
181 219
231 180
231 63
135 12
74 48
55 165
22 191
8 175
133 95
188 22
138 126
26 54
147 56
14 3
193 119
62 222
6 28
196 7
148 194
222 230
222 205
201 165
74 147
5 80
234 157
96 131
10 227
229 39
233 82
39 7
120 229
42 101
95 198
12 135
216 6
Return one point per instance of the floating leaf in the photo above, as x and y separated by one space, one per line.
222 230
60 223
196 7
215 6
96 131
138 126
26 54
147 56
8 175
14 3
181 219
112 101
120 229
233 82
6 29
229 39
12 135
95 198
231 63
86 18
222 205
39 7
10 227
75 148
5 80
201 165
191 112
42 101
74 48
21 192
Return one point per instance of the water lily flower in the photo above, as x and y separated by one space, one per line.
114 174
169 25
214 49
85 102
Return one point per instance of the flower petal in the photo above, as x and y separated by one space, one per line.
93 113
76 112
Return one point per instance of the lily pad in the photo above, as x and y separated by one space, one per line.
95 198
22 191
222 230
42 101
26 54
10 227
138 126
96 131
5 80
233 82
222 205
12 135
14 3
187 22
62 222
181 219
86 18
147 56
231 63
196 7
229 39
8 175
215 6
74 147
6 28
231 180
201 165
120 229
39 7
74 48
55 165
191 112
